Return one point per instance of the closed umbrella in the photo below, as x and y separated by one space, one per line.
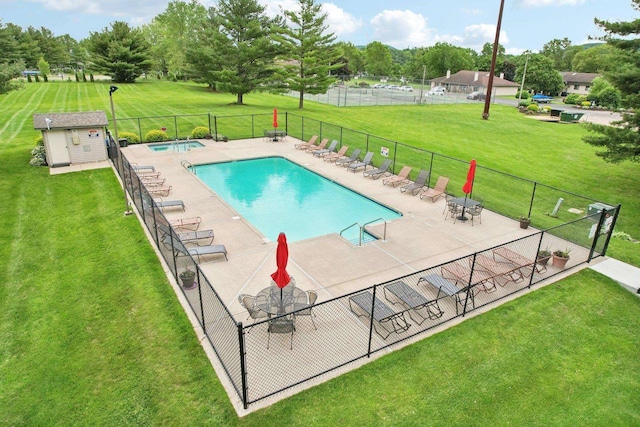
468 186
275 124
281 277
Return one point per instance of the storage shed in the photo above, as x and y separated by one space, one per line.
71 138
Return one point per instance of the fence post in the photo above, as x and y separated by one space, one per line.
533 195
613 224
243 366
371 321
215 127
535 262
175 125
466 299
200 274
139 131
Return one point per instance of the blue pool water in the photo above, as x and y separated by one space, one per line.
275 195
179 146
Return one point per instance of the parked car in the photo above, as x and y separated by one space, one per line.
406 88
438 90
480 96
541 99
378 86
394 87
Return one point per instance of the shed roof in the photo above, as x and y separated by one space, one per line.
70 120
570 77
468 78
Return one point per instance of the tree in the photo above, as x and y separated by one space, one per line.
204 59
43 67
560 52
541 77
121 52
377 59
600 58
622 141
483 61
443 57
52 48
310 49
244 47
171 33
352 58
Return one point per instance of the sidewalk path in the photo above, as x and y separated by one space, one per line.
625 274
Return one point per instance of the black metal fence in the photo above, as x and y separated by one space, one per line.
355 326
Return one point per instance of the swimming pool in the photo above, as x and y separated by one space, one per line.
179 146
275 195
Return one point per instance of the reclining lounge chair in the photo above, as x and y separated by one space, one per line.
419 183
378 172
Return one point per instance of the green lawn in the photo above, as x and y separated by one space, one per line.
91 333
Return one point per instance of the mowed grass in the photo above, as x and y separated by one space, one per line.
92 334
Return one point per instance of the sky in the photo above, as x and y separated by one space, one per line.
526 24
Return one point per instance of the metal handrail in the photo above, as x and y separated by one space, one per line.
384 234
186 164
360 234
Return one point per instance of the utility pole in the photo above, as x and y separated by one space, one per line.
117 142
487 100
524 73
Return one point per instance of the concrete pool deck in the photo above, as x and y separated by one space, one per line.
332 266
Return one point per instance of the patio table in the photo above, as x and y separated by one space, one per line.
465 202
276 301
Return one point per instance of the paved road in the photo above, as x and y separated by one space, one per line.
592 116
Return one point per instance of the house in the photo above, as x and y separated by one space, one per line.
579 83
466 81
71 138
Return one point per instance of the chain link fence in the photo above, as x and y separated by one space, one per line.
333 333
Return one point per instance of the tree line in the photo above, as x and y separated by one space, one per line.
235 47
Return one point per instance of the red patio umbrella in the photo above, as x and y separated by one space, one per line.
275 124
468 186
281 277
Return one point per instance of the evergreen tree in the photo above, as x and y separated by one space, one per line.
243 47
309 49
121 52
622 141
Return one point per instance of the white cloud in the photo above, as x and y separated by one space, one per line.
472 12
539 3
339 21
402 29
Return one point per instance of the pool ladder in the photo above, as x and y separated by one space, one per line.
176 145
363 229
188 166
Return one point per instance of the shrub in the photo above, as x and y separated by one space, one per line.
525 95
609 97
156 136
524 103
200 132
91 77
45 78
38 155
575 99
533 108
39 141
131 137
585 104
29 78
37 79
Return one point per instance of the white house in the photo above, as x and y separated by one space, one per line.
579 83
466 81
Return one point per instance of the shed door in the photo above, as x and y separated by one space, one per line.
58 148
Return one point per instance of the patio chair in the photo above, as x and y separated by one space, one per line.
380 171
170 204
475 211
401 178
385 320
141 168
282 325
186 223
448 197
346 161
418 184
197 251
310 298
332 157
248 302
325 151
364 163
305 145
312 148
159 191
437 191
